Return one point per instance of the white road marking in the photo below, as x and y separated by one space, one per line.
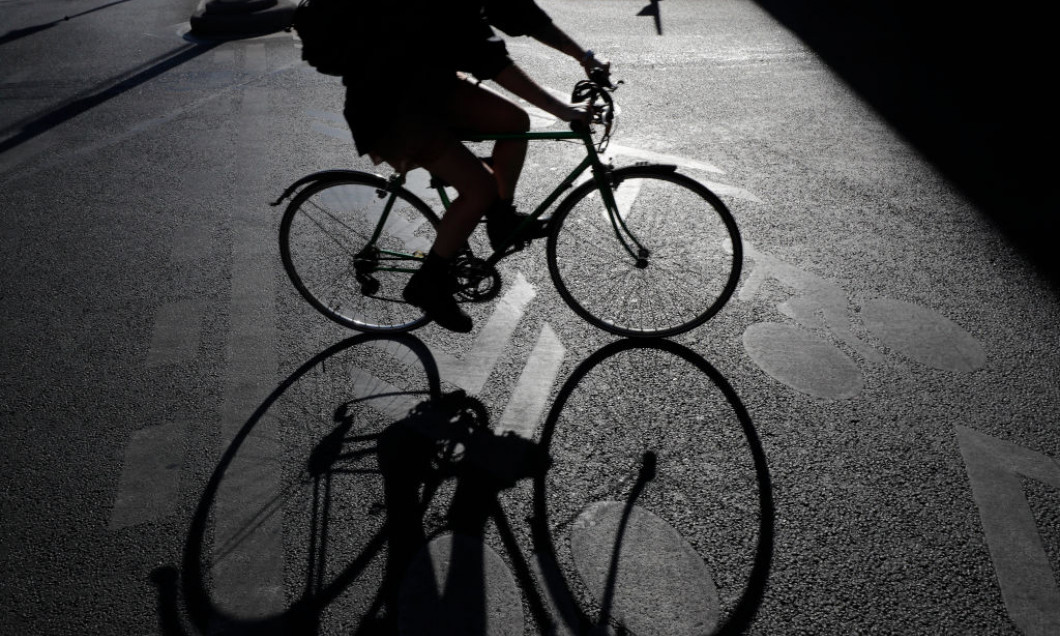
530 395
471 371
150 479
225 57
248 572
394 403
625 195
335 132
724 190
255 62
1028 584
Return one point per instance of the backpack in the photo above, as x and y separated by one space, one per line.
327 29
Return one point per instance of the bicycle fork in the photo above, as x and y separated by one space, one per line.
607 186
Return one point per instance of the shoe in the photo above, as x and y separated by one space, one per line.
431 289
502 220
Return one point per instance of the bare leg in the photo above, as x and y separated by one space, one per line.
477 108
476 191
431 287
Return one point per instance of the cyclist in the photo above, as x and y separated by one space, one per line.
429 69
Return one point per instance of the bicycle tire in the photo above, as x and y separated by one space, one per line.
322 235
693 259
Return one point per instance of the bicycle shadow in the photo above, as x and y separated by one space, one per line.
395 491
555 575
442 443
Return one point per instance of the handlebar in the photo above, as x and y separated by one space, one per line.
596 93
602 78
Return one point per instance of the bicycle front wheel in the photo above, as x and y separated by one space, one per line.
348 262
667 265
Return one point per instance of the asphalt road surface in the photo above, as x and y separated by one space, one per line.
864 440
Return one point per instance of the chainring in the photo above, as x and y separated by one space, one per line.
476 280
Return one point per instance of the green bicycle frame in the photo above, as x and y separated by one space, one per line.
591 162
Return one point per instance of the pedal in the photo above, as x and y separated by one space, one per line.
477 280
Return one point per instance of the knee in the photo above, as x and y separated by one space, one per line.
521 120
513 119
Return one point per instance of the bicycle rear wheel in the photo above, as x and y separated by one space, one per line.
668 268
324 243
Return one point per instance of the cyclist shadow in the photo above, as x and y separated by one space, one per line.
427 443
439 584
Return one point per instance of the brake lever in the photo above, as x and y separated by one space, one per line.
602 78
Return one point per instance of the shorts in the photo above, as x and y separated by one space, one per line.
401 123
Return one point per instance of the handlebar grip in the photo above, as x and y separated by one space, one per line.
602 77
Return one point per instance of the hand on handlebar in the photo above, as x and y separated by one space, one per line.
596 69
579 113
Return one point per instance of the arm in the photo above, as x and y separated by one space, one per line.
512 78
551 35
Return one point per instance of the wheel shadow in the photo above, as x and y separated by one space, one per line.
556 577
410 447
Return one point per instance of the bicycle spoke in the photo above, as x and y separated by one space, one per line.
334 218
595 245
324 230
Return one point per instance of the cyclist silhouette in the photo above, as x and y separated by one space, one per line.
421 85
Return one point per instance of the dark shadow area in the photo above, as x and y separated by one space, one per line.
28 129
555 580
443 443
966 85
653 10
414 558
16 34
447 439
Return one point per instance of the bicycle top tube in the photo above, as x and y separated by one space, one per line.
528 136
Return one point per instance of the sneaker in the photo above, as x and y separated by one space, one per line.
434 295
502 220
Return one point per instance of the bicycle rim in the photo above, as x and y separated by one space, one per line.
691 262
323 238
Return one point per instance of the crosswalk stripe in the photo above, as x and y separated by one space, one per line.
532 389
150 478
471 371
176 332
248 572
256 61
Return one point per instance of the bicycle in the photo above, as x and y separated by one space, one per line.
639 251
